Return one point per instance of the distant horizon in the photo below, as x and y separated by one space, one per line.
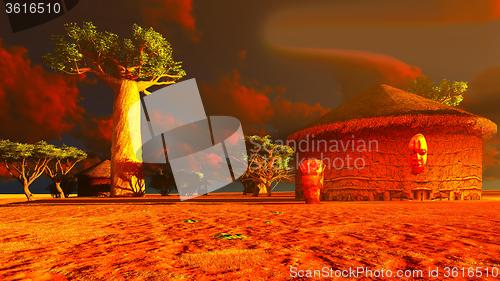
39 187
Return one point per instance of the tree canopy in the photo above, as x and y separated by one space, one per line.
30 158
446 92
67 153
268 163
25 162
62 160
145 56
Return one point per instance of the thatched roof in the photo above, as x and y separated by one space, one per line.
386 106
99 170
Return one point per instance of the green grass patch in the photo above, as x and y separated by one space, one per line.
229 236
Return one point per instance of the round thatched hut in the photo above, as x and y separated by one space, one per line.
364 144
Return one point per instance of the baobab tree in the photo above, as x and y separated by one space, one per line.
25 162
268 164
130 66
63 160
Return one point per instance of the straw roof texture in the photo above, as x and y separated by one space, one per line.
99 170
386 106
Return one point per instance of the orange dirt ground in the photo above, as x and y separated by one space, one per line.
115 239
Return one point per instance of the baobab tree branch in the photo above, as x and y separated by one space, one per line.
165 83
99 68
78 72
122 68
142 86
132 68
81 70
157 79
107 78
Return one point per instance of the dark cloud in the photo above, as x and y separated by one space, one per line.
446 38
95 135
259 108
230 97
387 12
484 94
290 116
175 11
4 174
492 159
355 71
34 104
483 98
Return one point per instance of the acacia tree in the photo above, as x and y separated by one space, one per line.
446 92
25 162
129 66
63 160
268 164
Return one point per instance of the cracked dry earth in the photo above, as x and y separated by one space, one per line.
154 241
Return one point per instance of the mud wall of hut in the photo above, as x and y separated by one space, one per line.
453 171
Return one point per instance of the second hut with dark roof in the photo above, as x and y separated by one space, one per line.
95 180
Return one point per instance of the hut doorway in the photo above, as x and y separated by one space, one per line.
421 194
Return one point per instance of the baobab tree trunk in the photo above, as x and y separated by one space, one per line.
59 189
27 192
262 188
126 136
